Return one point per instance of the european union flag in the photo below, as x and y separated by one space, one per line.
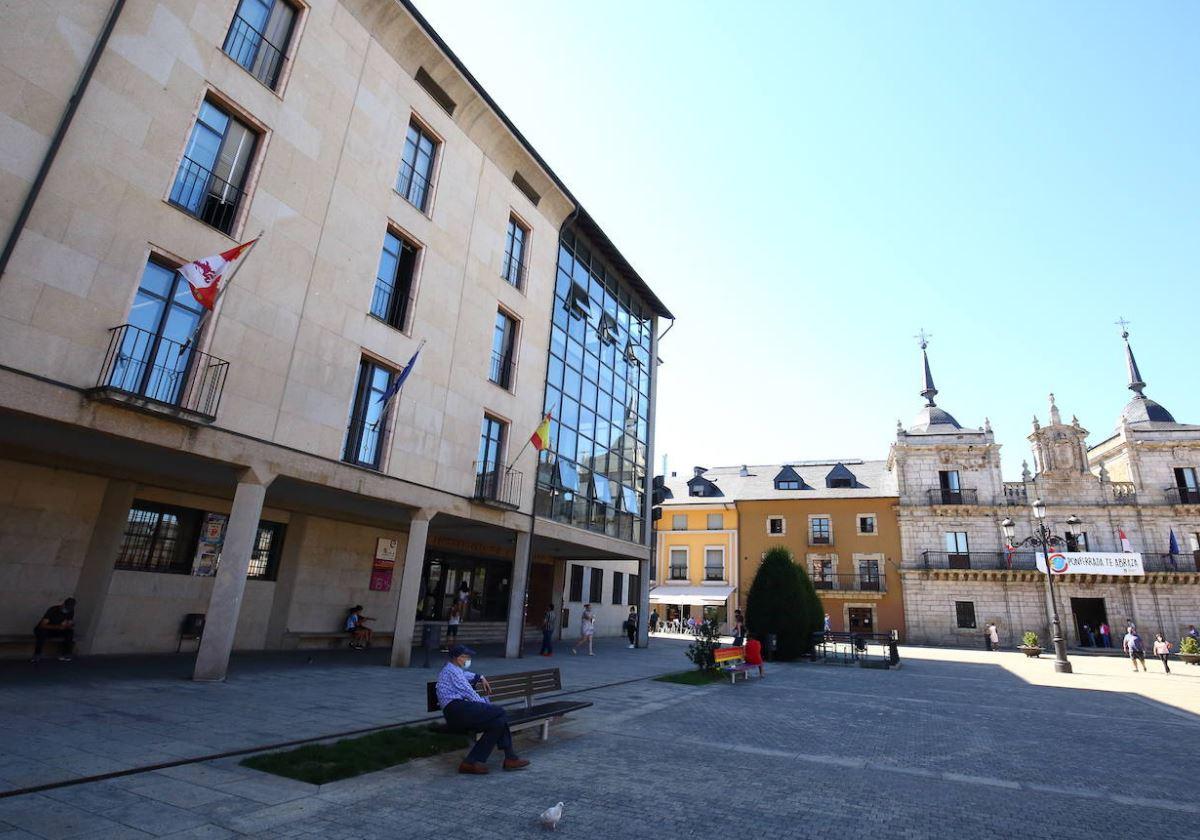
401 377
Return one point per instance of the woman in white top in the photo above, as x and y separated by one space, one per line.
587 630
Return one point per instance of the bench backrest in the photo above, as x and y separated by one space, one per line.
506 687
729 655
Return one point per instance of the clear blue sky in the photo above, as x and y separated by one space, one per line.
807 184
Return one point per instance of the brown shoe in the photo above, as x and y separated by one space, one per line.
515 763
474 768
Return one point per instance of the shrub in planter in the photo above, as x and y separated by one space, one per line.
707 639
1188 646
783 601
1030 639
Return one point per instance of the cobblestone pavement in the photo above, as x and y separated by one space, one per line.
954 744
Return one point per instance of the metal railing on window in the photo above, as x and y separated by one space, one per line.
392 304
944 496
498 486
848 582
502 368
513 270
1021 560
412 185
208 197
364 442
147 365
251 49
1183 496
1182 562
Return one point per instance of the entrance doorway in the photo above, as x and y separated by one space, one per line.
1089 611
541 592
862 620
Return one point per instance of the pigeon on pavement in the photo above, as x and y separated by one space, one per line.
551 816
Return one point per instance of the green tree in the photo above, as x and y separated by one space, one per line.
783 601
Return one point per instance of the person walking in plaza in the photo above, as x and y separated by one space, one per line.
739 628
1132 646
548 631
452 623
1193 632
58 622
631 627
1105 635
993 636
1162 649
587 629
828 627
465 708
1089 636
654 621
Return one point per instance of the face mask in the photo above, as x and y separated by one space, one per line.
466 665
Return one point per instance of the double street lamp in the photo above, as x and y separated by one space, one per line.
1042 538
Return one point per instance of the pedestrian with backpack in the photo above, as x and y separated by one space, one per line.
631 627
1132 646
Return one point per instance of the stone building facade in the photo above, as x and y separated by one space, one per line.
959 574
143 440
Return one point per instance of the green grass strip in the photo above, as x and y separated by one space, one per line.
691 678
321 763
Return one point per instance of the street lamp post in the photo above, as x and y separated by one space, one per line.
1044 539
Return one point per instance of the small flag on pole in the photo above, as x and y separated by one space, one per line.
401 377
1125 546
1009 551
204 276
1173 550
541 435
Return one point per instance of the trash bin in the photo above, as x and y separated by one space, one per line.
431 639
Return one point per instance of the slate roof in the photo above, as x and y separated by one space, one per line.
872 477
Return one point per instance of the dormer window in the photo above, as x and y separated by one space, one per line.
840 477
789 479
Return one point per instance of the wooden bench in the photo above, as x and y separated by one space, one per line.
524 687
732 661
25 641
333 639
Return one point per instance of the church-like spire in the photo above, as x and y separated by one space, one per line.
929 391
1136 383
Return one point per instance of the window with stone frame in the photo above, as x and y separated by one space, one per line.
776 526
716 521
822 569
964 613
867 524
679 522
678 563
820 530
714 563
259 37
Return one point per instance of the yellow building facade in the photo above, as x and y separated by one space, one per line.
696 560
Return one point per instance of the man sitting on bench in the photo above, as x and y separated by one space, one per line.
58 622
466 709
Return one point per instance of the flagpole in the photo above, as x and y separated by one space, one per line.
513 462
528 558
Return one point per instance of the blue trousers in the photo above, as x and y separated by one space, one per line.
490 720
547 641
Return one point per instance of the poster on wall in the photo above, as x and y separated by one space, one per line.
383 565
1126 564
208 552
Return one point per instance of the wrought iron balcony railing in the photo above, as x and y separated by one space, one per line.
495 485
501 370
1182 562
513 269
944 496
251 49
148 367
209 198
413 186
1183 496
1023 560
850 583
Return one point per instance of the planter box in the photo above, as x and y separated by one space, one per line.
1031 652
1190 658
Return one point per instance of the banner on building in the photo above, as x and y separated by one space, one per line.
208 550
383 565
1122 564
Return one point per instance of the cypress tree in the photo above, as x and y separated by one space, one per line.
783 601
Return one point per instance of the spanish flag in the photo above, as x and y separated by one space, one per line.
541 435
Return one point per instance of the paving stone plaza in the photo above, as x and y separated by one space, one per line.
954 743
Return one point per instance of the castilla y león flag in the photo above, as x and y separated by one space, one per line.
204 276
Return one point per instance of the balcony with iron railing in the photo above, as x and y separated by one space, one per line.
993 560
148 370
501 370
1182 562
201 193
849 582
945 496
1183 496
251 49
412 186
513 269
497 486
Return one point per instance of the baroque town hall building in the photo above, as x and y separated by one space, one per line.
1140 481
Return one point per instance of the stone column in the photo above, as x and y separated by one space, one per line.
410 587
643 634
225 603
517 591
285 580
91 590
558 585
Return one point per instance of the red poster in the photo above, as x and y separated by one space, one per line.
381 580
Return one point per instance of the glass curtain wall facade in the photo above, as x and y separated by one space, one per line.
593 475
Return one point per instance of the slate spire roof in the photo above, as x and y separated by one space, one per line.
1140 409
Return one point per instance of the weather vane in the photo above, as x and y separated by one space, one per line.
1122 323
923 337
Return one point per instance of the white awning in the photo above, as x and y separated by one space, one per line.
713 595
